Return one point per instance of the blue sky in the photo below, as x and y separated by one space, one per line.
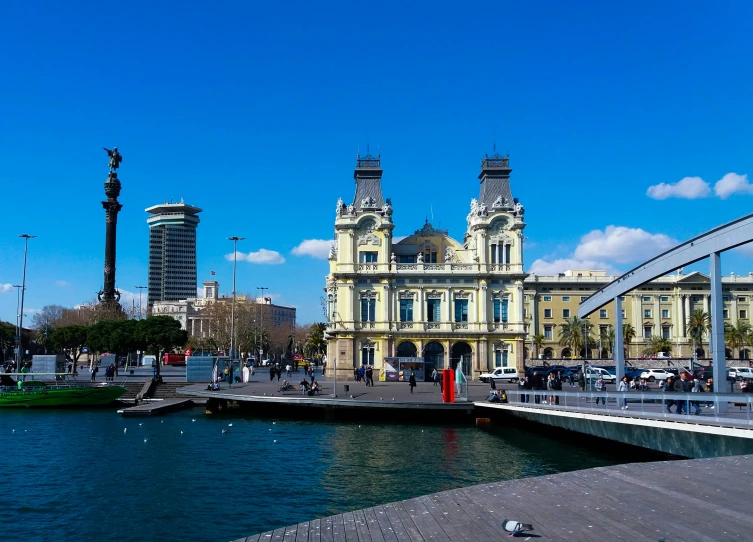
255 111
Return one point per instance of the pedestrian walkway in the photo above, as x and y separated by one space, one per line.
695 500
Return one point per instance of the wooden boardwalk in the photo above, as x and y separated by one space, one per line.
693 500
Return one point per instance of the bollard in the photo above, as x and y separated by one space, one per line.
347 388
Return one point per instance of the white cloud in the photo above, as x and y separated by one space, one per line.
687 188
261 256
5 288
543 267
622 245
62 283
316 248
732 183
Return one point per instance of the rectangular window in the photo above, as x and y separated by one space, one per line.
743 314
507 253
647 332
665 332
622 298
548 333
623 313
565 313
406 310
583 298
742 299
646 298
603 313
647 313
547 313
368 310
406 259
461 310
500 358
494 253
368 257
664 298
547 298
565 298
497 311
665 313
432 310
725 313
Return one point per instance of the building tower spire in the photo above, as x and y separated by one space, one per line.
368 177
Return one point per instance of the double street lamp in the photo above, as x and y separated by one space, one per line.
19 346
141 288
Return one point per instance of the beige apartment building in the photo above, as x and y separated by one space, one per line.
660 307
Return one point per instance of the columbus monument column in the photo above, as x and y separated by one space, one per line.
112 207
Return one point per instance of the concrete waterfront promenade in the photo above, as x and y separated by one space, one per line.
693 500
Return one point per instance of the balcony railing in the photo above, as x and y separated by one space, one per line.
433 268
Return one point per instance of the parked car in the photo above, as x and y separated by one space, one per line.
663 355
633 372
266 362
653 375
501 373
741 373
541 369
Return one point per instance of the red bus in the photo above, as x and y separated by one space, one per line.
175 359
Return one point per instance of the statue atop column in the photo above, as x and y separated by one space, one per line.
115 158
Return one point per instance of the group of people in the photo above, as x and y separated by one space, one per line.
683 384
537 382
309 389
364 373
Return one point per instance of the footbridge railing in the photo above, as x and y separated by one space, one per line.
719 408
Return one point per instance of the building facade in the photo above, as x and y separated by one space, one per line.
172 252
659 308
191 313
428 295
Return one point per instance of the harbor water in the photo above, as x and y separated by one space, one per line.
75 475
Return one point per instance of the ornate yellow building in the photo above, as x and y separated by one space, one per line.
428 295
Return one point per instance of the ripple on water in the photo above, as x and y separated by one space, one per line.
77 475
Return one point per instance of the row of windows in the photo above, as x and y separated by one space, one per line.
433 310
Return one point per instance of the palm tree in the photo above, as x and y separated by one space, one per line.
538 341
738 335
698 324
607 337
628 334
571 333
657 344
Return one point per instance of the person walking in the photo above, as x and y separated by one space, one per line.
557 386
434 376
601 386
324 367
370 376
412 381
271 373
278 371
94 372
537 383
288 370
582 381
680 385
697 388
623 386
550 387
666 387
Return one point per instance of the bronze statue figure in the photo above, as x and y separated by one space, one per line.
115 158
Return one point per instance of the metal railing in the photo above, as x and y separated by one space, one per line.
723 408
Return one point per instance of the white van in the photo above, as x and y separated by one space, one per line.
741 373
594 373
501 373
663 355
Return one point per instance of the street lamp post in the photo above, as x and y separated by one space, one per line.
261 318
141 288
26 238
235 240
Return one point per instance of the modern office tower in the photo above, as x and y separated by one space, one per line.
172 251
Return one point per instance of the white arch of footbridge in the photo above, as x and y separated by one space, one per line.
709 245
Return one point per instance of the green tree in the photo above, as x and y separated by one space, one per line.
628 334
538 342
71 340
657 344
738 335
572 334
315 343
698 324
160 334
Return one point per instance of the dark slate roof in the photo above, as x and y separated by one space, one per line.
368 176
492 188
368 187
495 180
